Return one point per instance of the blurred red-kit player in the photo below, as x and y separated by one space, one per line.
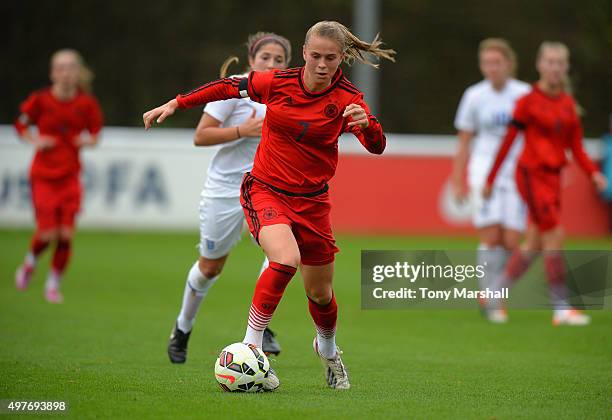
67 118
551 125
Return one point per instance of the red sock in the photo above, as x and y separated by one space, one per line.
518 263
37 245
268 293
324 317
554 267
61 256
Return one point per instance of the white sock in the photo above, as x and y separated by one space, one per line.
253 336
327 346
494 279
495 261
196 288
53 280
558 296
30 260
482 259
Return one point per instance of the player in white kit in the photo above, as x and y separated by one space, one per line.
484 113
235 125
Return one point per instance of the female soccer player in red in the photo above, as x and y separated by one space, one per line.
285 197
551 125
62 113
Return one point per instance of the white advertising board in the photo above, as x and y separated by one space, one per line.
152 180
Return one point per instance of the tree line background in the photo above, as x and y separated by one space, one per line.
143 53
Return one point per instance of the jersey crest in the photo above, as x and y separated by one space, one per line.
331 110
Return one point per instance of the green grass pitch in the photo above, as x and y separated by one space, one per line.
103 350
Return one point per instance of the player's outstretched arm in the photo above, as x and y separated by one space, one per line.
227 88
159 114
256 86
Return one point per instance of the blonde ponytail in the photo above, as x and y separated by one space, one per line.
352 47
86 77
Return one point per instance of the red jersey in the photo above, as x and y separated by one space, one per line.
551 126
63 121
299 141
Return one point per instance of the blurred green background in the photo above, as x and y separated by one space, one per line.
145 52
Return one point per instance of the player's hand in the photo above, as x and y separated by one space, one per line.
358 116
600 181
84 140
159 114
487 191
460 191
43 142
252 126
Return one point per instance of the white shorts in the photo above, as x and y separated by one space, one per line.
505 207
221 224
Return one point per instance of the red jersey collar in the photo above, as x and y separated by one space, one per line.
335 79
78 94
546 95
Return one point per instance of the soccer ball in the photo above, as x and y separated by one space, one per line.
242 367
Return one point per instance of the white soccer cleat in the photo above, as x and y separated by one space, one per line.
23 277
497 316
572 317
53 295
493 311
335 372
271 383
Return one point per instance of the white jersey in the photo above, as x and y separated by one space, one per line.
234 158
487 112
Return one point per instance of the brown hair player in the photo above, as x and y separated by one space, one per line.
551 125
67 118
234 125
482 118
285 197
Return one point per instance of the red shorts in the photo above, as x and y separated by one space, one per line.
308 218
56 202
541 190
